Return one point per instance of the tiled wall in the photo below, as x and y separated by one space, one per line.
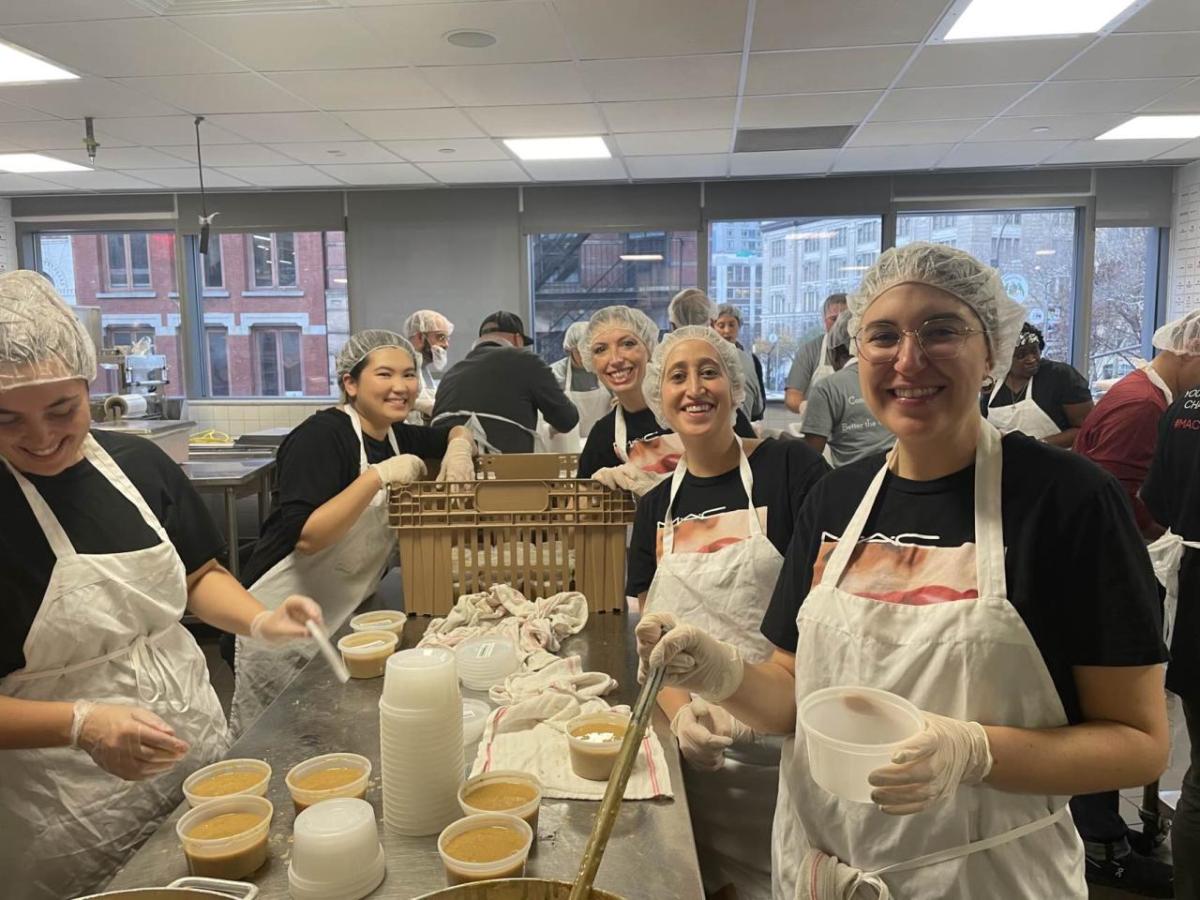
235 418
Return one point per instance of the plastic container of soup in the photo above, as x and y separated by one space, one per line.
227 778
366 653
226 837
850 732
485 846
595 741
503 790
328 777
380 620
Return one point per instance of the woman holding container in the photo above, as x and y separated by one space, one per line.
962 573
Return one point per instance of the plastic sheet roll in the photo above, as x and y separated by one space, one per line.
129 406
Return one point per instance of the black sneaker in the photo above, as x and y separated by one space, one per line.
1134 873
1157 847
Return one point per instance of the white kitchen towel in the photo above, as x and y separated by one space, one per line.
531 736
563 676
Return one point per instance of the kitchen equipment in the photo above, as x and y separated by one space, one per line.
190 888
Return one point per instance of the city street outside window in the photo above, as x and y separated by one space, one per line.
128 261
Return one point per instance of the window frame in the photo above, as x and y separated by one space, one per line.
211 331
104 238
257 332
252 266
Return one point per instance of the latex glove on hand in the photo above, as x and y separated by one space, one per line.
402 469
704 731
694 659
127 741
287 622
458 464
931 765
627 478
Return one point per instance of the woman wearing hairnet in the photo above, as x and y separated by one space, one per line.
692 306
997 583
328 535
707 546
105 703
582 388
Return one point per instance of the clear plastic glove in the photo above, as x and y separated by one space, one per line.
931 765
627 477
127 741
694 659
458 464
287 622
402 469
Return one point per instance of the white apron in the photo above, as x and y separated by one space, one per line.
108 630
428 392
969 659
592 406
726 593
339 578
479 433
1024 415
824 367
669 443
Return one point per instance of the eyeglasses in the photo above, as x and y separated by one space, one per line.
938 340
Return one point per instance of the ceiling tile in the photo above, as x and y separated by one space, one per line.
239 92
1061 128
281 176
524 31
1190 150
629 28
96 97
29 12
944 131
792 25
905 104
280 127
539 121
703 165
1185 99
25 184
506 85
784 162
231 155
377 173
13 112
791 110
187 179
336 152
659 143
164 130
361 88
475 172
664 78
1000 153
1165 15
1002 62
1112 151
117 47
468 150
670 115
124 158
818 71
53 135
576 170
1138 56
99 181
1064 98
889 159
411 124
311 39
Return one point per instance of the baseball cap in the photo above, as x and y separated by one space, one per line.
507 322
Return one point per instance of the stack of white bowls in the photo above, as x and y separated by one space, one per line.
421 741
336 853
485 661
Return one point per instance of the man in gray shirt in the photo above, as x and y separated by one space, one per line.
808 357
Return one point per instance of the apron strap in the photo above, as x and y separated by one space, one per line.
621 435
356 423
1156 380
481 434
754 525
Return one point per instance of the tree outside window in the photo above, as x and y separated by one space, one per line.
277 366
1124 290
127 258
273 259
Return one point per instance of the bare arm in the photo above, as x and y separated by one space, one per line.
792 399
29 724
671 700
331 520
1076 413
766 699
218 599
816 442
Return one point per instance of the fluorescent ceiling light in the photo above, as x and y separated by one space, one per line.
18 66
990 19
559 148
641 257
1044 252
1143 128
36 162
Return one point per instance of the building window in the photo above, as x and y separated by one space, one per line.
838 238
811 271
777 248
1005 248
126 335
273 260
864 261
213 271
868 233
128 261
778 274
217 343
812 245
277 369
942 222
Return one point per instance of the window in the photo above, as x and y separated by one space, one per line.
335 260
812 245
1005 248
216 341
777 248
1124 294
941 223
277 362
212 271
778 274
125 336
273 260
864 261
811 271
128 261
838 238
868 233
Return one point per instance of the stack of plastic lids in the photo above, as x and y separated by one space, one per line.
421 741
475 715
336 853
485 661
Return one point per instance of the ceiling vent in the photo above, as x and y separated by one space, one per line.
208 7
821 137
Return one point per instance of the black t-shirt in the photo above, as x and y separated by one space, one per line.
1171 492
1055 385
315 463
97 519
1077 570
598 452
709 513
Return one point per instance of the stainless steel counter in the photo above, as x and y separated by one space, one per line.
233 478
651 855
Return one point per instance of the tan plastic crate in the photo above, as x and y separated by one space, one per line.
540 535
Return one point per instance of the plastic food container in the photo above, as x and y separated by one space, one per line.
380 620
366 653
423 678
336 854
485 661
328 777
227 778
475 715
503 790
226 838
490 845
595 741
852 731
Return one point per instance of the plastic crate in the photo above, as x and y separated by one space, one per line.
491 466
540 535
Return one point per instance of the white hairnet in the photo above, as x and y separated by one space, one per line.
839 334
1181 336
362 343
728 309
959 274
728 355
426 321
41 340
574 336
627 318
691 306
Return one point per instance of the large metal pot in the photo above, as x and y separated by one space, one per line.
186 889
514 889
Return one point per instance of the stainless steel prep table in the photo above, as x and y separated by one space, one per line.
234 478
651 855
